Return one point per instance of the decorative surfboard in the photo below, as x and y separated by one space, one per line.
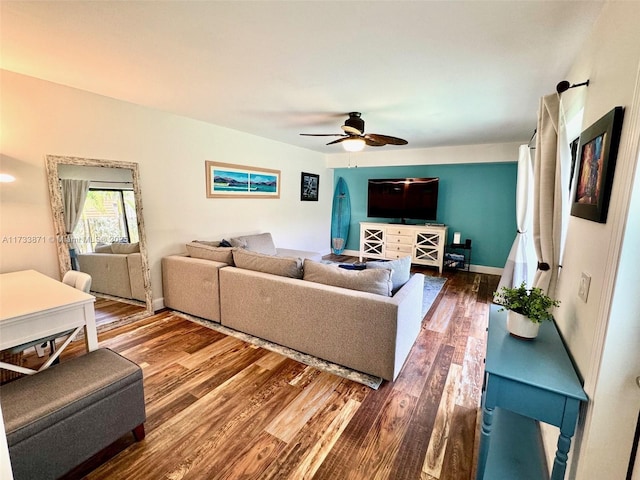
340 218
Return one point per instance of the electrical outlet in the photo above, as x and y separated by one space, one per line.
583 288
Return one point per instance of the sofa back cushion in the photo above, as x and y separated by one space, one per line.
259 262
372 281
400 270
102 248
211 243
260 243
125 248
208 252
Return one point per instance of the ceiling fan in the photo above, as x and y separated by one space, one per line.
354 139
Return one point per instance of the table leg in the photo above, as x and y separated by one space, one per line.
485 438
562 454
90 331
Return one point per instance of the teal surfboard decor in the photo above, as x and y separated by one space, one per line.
340 218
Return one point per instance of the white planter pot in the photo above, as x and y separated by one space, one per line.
520 326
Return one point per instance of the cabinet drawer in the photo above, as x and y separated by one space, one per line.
407 232
403 239
399 247
391 255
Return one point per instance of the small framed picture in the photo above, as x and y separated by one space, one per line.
597 152
309 184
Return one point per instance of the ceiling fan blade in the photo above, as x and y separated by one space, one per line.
339 140
371 142
386 139
323 134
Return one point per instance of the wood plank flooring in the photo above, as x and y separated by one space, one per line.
109 310
218 408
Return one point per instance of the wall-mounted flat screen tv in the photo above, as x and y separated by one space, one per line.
403 198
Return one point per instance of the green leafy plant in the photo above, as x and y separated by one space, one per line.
533 303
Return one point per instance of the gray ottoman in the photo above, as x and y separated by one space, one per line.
60 417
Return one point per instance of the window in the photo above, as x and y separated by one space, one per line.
107 216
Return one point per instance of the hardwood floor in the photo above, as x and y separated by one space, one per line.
109 310
218 408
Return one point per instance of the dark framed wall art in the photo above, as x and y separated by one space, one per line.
309 184
597 152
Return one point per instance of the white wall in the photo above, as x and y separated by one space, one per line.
610 60
40 118
388 157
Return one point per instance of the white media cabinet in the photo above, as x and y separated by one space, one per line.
425 243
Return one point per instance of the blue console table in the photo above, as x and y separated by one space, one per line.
525 382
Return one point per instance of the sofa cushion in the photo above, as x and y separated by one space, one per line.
125 248
400 268
209 243
282 266
207 252
373 281
102 248
288 252
260 243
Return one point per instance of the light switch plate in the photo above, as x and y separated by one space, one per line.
583 288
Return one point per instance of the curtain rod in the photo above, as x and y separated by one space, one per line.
535 131
103 181
108 181
564 85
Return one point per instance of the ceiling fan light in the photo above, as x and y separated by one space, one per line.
353 144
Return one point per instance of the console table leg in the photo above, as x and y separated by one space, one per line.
485 438
560 462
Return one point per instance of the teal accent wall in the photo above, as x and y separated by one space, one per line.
478 200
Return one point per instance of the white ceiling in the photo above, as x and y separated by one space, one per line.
436 73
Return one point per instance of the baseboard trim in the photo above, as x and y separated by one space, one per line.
485 269
157 304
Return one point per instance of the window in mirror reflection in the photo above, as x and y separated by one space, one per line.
108 216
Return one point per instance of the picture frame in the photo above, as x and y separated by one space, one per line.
228 180
573 147
309 187
597 153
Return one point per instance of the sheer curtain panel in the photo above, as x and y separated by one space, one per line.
521 263
74 193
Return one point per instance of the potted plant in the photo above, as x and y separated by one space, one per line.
527 309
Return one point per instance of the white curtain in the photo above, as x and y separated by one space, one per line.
547 208
521 263
74 193
564 159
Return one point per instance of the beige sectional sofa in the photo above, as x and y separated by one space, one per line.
302 304
116 270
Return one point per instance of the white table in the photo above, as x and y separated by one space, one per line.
34 306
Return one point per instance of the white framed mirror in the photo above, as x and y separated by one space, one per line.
110 246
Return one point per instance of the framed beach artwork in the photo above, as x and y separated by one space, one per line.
226 180
597 152
309 184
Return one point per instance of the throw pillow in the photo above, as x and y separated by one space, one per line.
206 252
102 248
238 242
400 268
260 243
259 262
225 243
372 281
125 248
